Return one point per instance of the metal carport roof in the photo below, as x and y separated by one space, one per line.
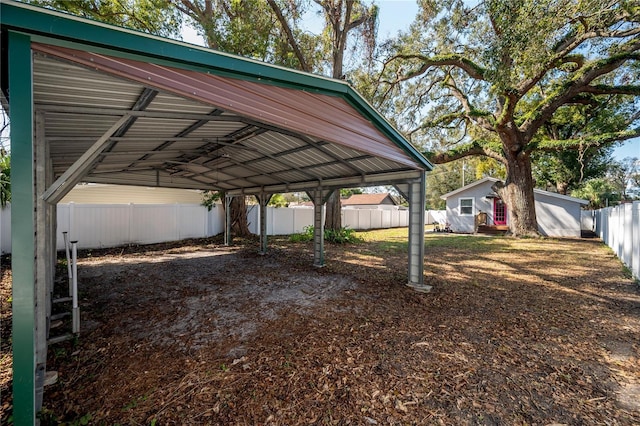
96 103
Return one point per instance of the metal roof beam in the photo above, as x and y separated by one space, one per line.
334 162
84 110
143 101
238 163
387 178
215 180
74 174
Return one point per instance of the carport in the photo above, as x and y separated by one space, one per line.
90 102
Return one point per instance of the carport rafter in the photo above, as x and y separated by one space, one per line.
215 113
81 166
144 114
248 167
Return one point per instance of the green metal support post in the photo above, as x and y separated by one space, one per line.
414 192
263 200
319 198
22 228
227 220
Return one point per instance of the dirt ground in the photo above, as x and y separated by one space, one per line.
515 332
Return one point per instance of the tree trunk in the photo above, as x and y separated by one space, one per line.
517 193
239 225
562 187
333 219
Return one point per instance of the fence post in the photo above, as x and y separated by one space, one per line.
635 249
130 222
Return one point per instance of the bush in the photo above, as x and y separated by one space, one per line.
306 235
340 236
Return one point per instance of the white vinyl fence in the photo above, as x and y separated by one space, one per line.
110 225
619 228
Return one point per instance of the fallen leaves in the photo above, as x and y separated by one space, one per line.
541 332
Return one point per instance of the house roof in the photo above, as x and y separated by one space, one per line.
367 199
125 107
493 180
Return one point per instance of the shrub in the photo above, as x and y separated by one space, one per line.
340 236
306 235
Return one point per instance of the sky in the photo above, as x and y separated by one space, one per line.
395 16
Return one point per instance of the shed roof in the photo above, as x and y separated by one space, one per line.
157 112
367 199
493 180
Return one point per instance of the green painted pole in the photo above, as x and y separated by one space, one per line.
22 228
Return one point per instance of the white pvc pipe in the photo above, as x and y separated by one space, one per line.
74 268
69 271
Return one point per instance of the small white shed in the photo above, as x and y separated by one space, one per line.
558 215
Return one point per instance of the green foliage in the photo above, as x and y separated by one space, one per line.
5 178
48 417
599 192
157 17
210 198
564 171
305 236
278 200
622 174
347 192
339 236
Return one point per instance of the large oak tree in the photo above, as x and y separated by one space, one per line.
491 77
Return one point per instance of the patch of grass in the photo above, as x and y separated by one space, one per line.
464 242
626 271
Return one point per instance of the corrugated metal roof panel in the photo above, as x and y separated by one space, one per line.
170 103
157 127
287 108
200 145
216 129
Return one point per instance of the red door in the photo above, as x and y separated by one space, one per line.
499 212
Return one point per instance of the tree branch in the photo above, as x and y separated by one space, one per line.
471 68
477 147
572 41
554 145
472 114
603 89
293 43
565 93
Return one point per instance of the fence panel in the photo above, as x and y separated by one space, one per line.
215 220
635 250
619 228
97 225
